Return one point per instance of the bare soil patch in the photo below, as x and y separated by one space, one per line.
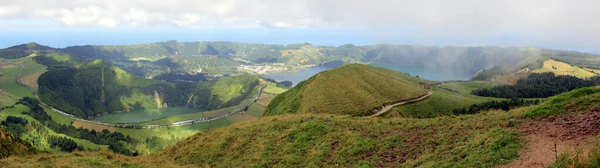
240 117
92 126
265 99
31 80
549 137
8 66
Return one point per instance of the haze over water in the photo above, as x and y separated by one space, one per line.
303 74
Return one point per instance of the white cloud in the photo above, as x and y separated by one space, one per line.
540 20
9 11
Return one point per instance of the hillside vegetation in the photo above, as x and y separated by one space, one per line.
9 145
350 89
538 85
97 87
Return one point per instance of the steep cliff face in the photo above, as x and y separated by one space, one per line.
159 103
189 101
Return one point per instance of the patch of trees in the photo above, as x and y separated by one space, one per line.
495 105
122 148
104 137
35 111
538 85
15 125
181 77
285 84
65 144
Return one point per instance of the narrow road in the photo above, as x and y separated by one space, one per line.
389 107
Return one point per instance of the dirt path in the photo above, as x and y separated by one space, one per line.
548 138
389 107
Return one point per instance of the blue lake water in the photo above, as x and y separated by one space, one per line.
303 74
426 73
298 76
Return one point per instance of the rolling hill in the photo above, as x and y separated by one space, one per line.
352 89
24 50
218 58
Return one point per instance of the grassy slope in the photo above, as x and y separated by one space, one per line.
350 89
561 68
273 89
319 140
82 159
467 87
579 100
324 140
441 103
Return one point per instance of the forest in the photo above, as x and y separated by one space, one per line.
538 85
495 105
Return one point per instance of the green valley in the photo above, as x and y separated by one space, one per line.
189 104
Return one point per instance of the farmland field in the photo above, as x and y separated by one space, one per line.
141 115
240 117
92 126
264 99
8 81
273 89
32 72
5 99
256 110
561 68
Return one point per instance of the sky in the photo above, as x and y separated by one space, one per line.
558 24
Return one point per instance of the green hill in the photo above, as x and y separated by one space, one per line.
353 89
24 50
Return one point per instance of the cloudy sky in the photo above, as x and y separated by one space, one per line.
561 24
